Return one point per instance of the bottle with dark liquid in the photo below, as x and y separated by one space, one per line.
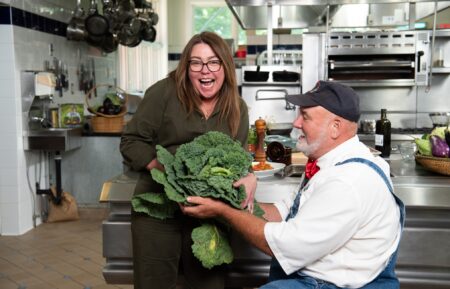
383 135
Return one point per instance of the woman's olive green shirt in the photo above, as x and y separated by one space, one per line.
162 120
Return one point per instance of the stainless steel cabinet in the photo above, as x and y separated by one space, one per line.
424 255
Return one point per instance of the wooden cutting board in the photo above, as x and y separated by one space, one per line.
299 158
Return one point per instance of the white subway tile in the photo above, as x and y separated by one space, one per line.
6 34
10 219
9 158
8 107
7 90
9 141
9 194
6 52
7 69
8 176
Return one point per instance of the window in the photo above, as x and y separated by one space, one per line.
143 65
218 19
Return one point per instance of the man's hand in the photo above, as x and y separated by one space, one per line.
250 226
203 207
249 182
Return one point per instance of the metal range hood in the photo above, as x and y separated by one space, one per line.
290 14
253 14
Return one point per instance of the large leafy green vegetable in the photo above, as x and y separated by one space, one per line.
207 166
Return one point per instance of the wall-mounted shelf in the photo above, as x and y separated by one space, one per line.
443 33
441 70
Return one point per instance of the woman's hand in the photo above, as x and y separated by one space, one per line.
154 164
249 182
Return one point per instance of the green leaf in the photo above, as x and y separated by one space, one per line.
211 246
154 205
172 194
257 210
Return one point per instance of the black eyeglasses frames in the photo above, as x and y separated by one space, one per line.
212 65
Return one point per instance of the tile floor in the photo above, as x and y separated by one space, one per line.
65 255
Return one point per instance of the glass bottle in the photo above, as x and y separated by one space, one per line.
383 134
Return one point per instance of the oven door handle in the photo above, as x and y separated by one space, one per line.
419 55
260 96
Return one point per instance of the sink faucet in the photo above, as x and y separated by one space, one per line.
44 122
289 106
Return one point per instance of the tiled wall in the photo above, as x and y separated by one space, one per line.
26 31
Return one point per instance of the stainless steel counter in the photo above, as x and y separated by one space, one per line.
424 255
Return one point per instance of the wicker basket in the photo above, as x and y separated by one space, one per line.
104 122
107 124
437 165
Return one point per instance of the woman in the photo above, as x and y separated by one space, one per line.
199 96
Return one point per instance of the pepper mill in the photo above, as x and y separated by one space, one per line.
260 153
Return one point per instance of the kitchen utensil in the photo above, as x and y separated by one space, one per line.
257 75
407 150
280 128
129 34
96 24
440 118
75 28
148 33
279 153
268 173
109 43
367 126
286 141
285 76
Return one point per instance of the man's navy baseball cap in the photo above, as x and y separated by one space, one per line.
337 98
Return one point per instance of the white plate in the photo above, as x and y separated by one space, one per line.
267 173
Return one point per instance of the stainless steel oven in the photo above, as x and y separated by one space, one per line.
264 89
382 58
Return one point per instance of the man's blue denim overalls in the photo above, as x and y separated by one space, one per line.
298 280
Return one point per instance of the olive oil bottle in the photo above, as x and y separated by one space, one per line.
383 134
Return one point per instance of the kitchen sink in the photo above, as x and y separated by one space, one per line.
52 139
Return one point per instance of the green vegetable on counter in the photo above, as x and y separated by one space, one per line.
423 146
436 143
439 131
207 167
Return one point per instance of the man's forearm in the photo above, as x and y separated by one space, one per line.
249 226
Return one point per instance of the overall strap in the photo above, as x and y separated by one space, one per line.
380 172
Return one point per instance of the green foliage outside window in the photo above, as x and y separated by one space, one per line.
217 19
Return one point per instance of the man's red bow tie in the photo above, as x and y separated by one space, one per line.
311 168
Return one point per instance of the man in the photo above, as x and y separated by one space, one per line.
343 228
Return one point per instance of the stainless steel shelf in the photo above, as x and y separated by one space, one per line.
443 33
441 70
318 2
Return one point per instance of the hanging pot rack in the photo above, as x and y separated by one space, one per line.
125 22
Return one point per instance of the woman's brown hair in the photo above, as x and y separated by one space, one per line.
228 96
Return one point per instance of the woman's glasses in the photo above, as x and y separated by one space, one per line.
212 65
